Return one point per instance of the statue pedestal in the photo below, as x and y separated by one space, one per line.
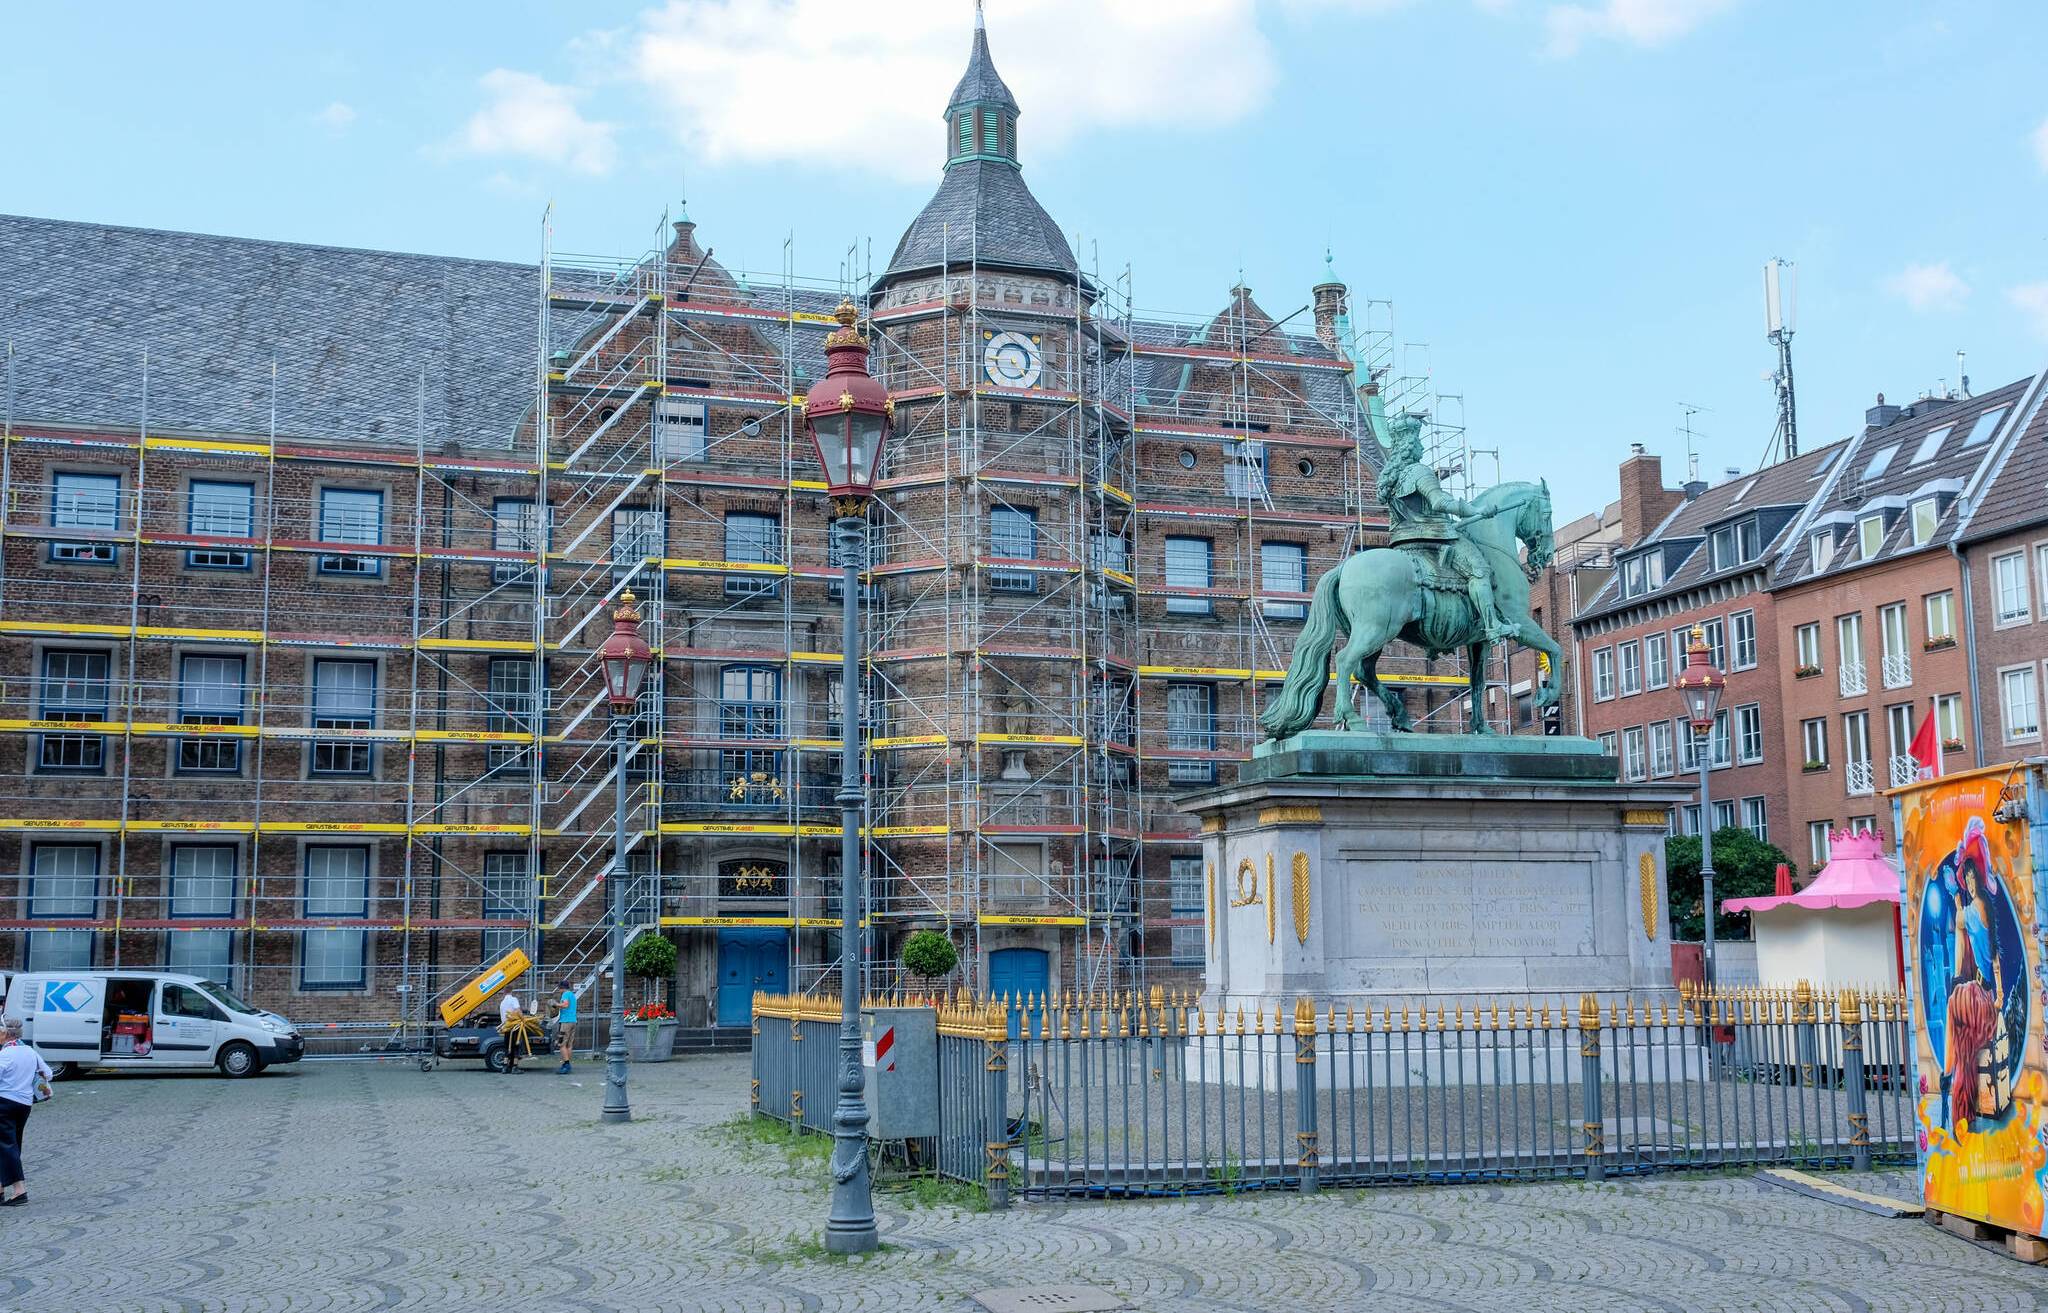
1383 869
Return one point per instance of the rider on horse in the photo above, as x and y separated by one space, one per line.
1419 515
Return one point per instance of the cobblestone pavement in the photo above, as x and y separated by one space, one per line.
376 1186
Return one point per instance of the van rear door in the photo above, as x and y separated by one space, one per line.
61 1016
187 1026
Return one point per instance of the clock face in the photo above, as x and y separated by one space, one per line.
1011 360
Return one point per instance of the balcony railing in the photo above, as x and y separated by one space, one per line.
700 794
1905 770
1898 670
1860 779
1854 684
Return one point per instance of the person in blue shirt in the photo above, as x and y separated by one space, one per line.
565 1028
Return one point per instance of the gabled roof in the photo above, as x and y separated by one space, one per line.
1785 488
2015 495
368 345
1936 448
983 214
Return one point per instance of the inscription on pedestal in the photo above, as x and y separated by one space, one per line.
1457 908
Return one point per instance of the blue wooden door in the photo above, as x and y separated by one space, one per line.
749 960
1017 973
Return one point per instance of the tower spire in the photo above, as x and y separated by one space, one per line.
979 24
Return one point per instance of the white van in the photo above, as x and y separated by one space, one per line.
146 1020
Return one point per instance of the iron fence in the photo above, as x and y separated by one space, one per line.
1157 1096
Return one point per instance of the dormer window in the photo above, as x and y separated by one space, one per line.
1820 549
1733 544
1642 573
1870 536
1632 577
1926 514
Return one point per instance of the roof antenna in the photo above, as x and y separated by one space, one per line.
1692 457
1962 378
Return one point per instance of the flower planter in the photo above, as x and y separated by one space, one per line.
650 1041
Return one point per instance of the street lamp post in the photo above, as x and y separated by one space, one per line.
625 657
849 416
1700 684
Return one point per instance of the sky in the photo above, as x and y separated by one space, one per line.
1567 205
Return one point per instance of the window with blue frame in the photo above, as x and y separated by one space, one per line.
74 687
211 693
508 886
1191 727
90 502
337 887
202 888
517 526
509 710
1188 566
1283 568
351 515
344 698
64 881
750 707
755 539
1013 536
218 509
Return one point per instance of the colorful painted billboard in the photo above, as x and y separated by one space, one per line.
1973 949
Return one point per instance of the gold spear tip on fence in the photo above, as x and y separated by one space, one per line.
1304 1016
1589 1012
1851 1008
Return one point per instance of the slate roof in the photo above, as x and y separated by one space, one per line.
353 334
1782 490
1935 448
981 83
2016 493
983 212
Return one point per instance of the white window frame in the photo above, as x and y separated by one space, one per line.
1818 844
1635 763
2010 601
1869 537
1663 759
1806 646
1926 514
1656 660
1603 674
1742 635
1749 733
1756 817
2020 679
1629 659
1939 611
1813 743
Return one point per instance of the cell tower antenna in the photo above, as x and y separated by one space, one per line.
1781 308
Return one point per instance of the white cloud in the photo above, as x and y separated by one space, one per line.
1928 286
1637 22
2041 144
2032 301
530 117
797 81
336 117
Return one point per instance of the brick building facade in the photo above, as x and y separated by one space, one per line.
296 675
2005 560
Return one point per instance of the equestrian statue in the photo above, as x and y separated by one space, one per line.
1450 578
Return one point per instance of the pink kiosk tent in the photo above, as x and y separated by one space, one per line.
1841 931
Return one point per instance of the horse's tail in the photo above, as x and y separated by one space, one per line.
1301 697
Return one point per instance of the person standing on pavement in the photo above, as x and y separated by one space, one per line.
565 1028
24 1082
512 1025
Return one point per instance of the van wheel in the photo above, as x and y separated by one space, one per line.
239 1060
65 1071
498 1059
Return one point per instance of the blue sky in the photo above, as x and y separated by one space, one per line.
1570 204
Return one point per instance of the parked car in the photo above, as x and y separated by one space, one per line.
146 1020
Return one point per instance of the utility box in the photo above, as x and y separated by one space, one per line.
900 1052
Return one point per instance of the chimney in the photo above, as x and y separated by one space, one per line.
1879 415
1331 305
1645 501
1693 489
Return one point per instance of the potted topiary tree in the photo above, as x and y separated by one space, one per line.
651 1027
929 957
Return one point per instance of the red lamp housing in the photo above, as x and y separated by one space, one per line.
625 656
1700 684
847 414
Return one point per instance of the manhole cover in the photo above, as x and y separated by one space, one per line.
1050 1299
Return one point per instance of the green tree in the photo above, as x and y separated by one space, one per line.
928 955
651 957
1744 867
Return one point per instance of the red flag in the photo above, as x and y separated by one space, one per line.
1926 750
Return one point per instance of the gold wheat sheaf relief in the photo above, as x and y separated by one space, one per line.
1271 911
1646 873
1301 907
